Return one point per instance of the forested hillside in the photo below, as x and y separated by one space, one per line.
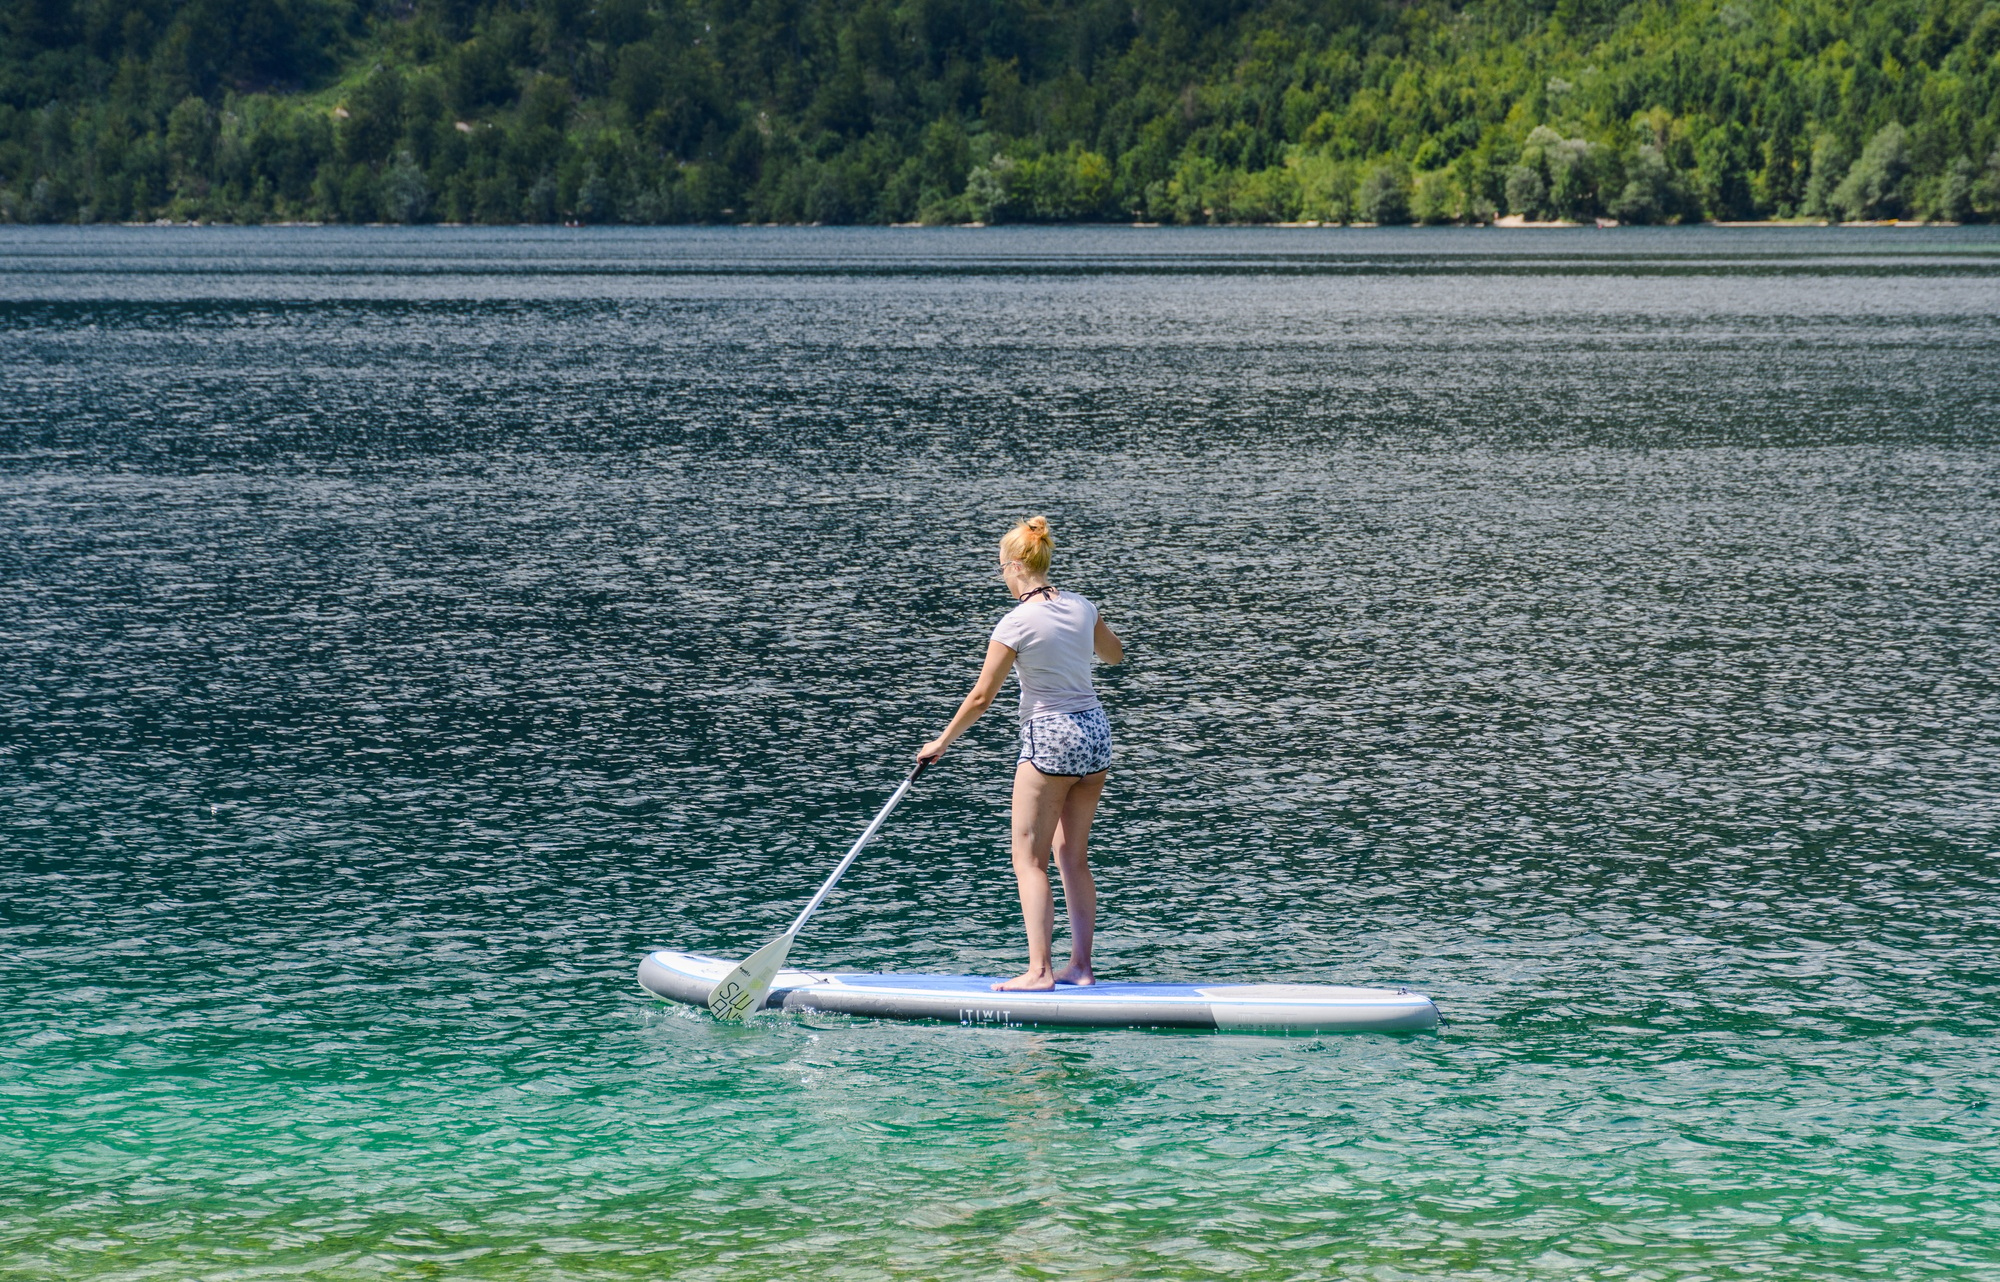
998 110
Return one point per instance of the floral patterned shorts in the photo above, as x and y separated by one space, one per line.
1067 743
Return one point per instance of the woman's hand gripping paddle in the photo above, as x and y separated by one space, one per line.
743 990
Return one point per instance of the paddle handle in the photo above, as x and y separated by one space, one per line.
859 842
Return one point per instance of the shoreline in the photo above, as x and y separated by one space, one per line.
1507 222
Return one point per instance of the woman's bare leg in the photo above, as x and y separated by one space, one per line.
1038 807
1079 888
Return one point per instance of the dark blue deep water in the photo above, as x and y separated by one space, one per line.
402 630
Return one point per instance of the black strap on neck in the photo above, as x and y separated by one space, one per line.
1032 593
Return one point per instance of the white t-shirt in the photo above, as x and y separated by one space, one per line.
1054 640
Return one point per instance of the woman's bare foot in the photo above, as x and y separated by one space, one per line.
1034 981
1081 976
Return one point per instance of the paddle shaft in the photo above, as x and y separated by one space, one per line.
744 988
859 842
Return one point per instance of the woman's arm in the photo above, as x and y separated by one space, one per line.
1109 648
999 662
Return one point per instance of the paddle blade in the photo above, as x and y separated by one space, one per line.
743 990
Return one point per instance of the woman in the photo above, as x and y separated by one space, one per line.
1065 746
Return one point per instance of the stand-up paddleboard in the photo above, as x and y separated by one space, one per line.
970 999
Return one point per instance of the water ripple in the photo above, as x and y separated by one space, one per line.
405 631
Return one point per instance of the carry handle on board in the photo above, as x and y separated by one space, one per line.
743 989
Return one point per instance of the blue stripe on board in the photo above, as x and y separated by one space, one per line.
984 984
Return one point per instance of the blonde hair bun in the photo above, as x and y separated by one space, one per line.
1030 544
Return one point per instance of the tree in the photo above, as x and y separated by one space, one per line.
1953 201
405 194
945 110
1878 184
1435 198
1648 195
1986 188
1385 195
1527 190
1829 162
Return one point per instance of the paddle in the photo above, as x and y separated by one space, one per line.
743 990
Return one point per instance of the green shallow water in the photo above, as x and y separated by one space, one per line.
407 629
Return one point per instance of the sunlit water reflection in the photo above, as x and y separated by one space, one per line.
405 629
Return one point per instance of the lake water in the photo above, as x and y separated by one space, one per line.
405 629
